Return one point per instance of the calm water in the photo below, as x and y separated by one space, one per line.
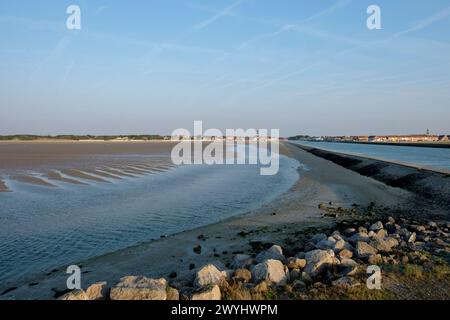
42 228
430 157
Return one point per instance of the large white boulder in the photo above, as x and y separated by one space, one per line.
270 270
317 260
208 275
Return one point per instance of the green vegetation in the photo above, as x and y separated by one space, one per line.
413 271
28 137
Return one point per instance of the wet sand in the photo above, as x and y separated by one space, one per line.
81 175
33 180
79 163
29 155
52 175
320 181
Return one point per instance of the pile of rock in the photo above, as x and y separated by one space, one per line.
333 259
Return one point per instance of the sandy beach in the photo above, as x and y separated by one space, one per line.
321 181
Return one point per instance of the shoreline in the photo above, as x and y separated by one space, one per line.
394 162
80 141
430 186
443 145
320 182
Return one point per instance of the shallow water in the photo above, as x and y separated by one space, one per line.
438 158
42 228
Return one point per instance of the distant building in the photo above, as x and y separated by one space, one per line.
443 138
360 138
405 138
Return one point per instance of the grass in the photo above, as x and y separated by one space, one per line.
441 271
413 271
358 293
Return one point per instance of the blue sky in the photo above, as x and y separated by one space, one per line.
153 66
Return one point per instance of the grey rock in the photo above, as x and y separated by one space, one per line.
298 285
349 231
172 294
381 233
241 261
412 238
345 253
210 292
242 275
309 246
306 278
275 253
271 271
325 244
98 291
432 224
420 228
139 288
78 294
317 260
362 229
383 245
295 274
376 226
347 267
364 250
208 275
375 259
359 237
300 255
318 237
296 263
346 282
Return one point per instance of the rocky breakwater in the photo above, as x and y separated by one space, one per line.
322 266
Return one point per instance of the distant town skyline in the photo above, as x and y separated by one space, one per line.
150 67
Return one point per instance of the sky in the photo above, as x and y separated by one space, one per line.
152 66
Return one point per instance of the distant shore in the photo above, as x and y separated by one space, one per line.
436 144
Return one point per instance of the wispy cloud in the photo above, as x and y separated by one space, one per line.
441 15
68 71
31 24
57 51
338 5
322 34
101 9
222 13
298 27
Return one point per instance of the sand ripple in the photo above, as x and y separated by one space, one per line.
82 175
33 180
53 175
